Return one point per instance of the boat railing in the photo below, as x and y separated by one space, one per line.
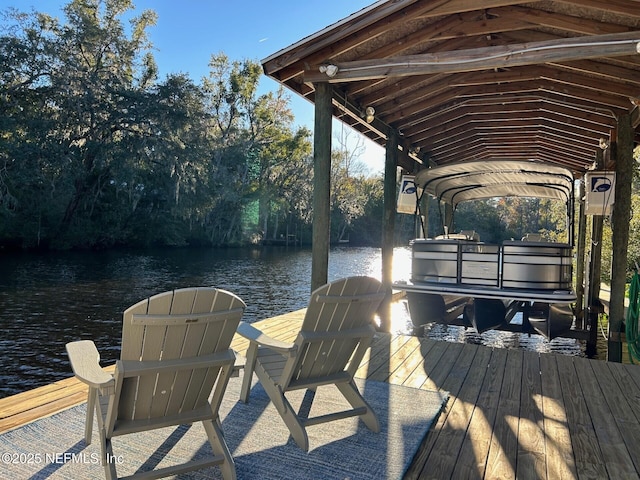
515 264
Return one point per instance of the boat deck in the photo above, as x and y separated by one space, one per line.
511 413
478 291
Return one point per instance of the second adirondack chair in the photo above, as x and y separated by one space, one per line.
336 332
175 353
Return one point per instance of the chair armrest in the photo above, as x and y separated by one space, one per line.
256 336
85 363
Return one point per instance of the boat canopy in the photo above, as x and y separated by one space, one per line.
477 180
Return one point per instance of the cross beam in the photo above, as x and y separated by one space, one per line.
503 56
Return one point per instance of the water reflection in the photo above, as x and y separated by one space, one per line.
507 340
47 300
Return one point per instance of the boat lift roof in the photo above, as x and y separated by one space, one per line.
474 180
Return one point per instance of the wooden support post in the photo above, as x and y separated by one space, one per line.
620 234
321 185
388 222
594 306
389 215
580 256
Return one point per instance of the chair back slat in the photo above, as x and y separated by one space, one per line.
342 306
170 337
182 324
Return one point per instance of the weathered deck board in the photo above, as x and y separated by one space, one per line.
531 460
435 443
616 457
587 452
501 461
559 453
472 460
510 414
469 371
623 403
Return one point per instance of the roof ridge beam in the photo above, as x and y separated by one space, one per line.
503 56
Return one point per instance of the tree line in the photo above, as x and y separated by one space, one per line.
98 152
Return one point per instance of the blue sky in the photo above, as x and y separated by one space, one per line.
188 32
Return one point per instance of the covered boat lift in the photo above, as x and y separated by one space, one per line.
445 81
455 183
457 275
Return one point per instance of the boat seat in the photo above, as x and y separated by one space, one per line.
532 237
470 235
463 235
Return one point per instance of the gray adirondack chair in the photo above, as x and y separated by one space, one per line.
174 368
336 332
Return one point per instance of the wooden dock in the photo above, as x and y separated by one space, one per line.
511 413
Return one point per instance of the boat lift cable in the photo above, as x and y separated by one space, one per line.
633 313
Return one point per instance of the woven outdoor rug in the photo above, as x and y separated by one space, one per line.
53 447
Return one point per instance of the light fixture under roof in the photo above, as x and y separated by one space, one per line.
330 70
369 114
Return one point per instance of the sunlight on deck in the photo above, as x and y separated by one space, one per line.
497 423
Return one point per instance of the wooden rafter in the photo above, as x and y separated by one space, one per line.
543 80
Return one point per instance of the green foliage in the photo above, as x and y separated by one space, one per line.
495 220
633 248
96 152
486 218
357 208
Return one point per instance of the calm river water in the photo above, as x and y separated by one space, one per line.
47 300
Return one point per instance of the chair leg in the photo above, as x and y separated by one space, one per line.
286 411
107 456
249 367
353 396
91 407
295 426
219 447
